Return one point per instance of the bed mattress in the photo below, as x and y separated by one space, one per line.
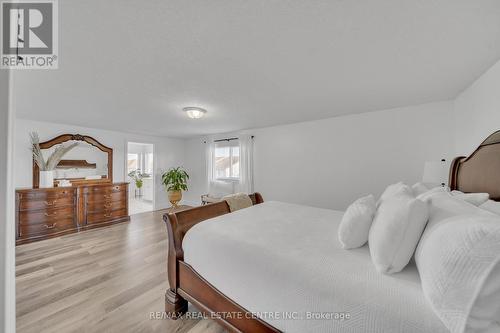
284 263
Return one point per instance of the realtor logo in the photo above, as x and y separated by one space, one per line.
29 34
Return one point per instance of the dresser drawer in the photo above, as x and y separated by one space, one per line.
106 197
40 229
45 215
43 195
107 189
105 216
56 202
95 207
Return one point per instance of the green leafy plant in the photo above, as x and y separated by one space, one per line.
137 176
175 179
54 159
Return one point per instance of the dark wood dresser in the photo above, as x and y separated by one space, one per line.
50 212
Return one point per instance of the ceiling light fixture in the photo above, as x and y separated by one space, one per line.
194 112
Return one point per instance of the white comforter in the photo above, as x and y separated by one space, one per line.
284 262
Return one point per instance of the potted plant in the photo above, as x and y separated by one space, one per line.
137 176
48 166
175 181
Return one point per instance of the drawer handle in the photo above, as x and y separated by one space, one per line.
108 215
50 203
50 226
49 215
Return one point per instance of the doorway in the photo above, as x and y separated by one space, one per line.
140 173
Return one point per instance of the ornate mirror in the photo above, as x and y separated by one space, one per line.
89 162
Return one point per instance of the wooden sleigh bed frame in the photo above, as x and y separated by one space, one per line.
480 172
187 285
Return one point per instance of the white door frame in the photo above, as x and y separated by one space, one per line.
7 227
154 165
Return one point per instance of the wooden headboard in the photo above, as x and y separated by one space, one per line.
480 172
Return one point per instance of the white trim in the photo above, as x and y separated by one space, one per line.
7 229
125 169
228 179
10 297
154 175
190 203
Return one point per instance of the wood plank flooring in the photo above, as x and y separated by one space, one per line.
101 280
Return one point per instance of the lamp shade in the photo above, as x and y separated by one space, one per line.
435 172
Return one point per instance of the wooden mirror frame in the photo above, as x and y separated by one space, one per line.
76 137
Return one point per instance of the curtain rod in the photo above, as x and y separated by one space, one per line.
229 139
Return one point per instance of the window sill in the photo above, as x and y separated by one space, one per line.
228 180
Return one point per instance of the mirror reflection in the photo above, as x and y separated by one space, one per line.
82 162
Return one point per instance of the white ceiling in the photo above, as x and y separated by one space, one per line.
133 65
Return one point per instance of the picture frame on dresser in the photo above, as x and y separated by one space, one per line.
43 213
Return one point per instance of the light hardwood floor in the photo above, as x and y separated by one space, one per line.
101 280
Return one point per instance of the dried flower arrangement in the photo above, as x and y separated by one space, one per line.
54 159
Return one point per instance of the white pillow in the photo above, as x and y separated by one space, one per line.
395 232
393 190
437 262
426 195
487 305
491 206
458 263
477 199
356 223
419 188
443 205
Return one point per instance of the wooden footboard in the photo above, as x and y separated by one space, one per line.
187 285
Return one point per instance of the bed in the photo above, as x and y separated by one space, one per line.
286 264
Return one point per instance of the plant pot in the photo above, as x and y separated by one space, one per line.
46 179
174 197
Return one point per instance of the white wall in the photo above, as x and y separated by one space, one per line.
7 226
140 148
168 152
329 163
477 111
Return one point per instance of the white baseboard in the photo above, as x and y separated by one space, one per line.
190 203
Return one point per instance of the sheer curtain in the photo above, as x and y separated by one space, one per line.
245 183
209 151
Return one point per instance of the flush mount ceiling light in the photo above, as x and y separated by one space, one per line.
194 112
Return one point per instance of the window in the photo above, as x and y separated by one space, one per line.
227 160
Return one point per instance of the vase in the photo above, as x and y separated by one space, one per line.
174 197
46 179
